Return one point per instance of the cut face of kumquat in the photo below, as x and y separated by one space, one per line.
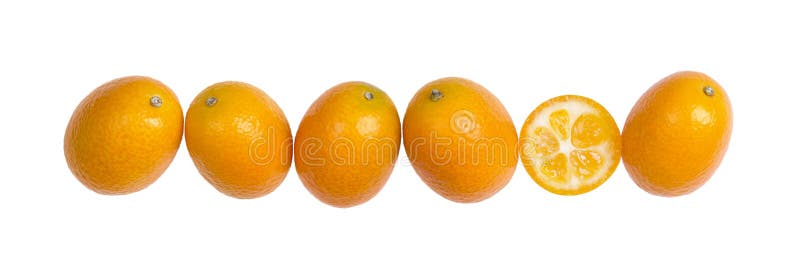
570 145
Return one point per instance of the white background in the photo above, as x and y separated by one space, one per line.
744 219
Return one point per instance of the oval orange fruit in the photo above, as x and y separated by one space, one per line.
460 139
239 139
570 145
347 144
124 135
677 133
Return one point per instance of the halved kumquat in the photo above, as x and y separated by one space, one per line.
570 145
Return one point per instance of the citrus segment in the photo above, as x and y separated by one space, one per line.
544 142
558 121
555 168
586 163
590 130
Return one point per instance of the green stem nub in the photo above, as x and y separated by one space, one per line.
155 101
708 91
436 95
211 101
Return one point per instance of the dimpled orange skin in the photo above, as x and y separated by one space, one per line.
676 136
241 143
447 140
347 144
117 142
